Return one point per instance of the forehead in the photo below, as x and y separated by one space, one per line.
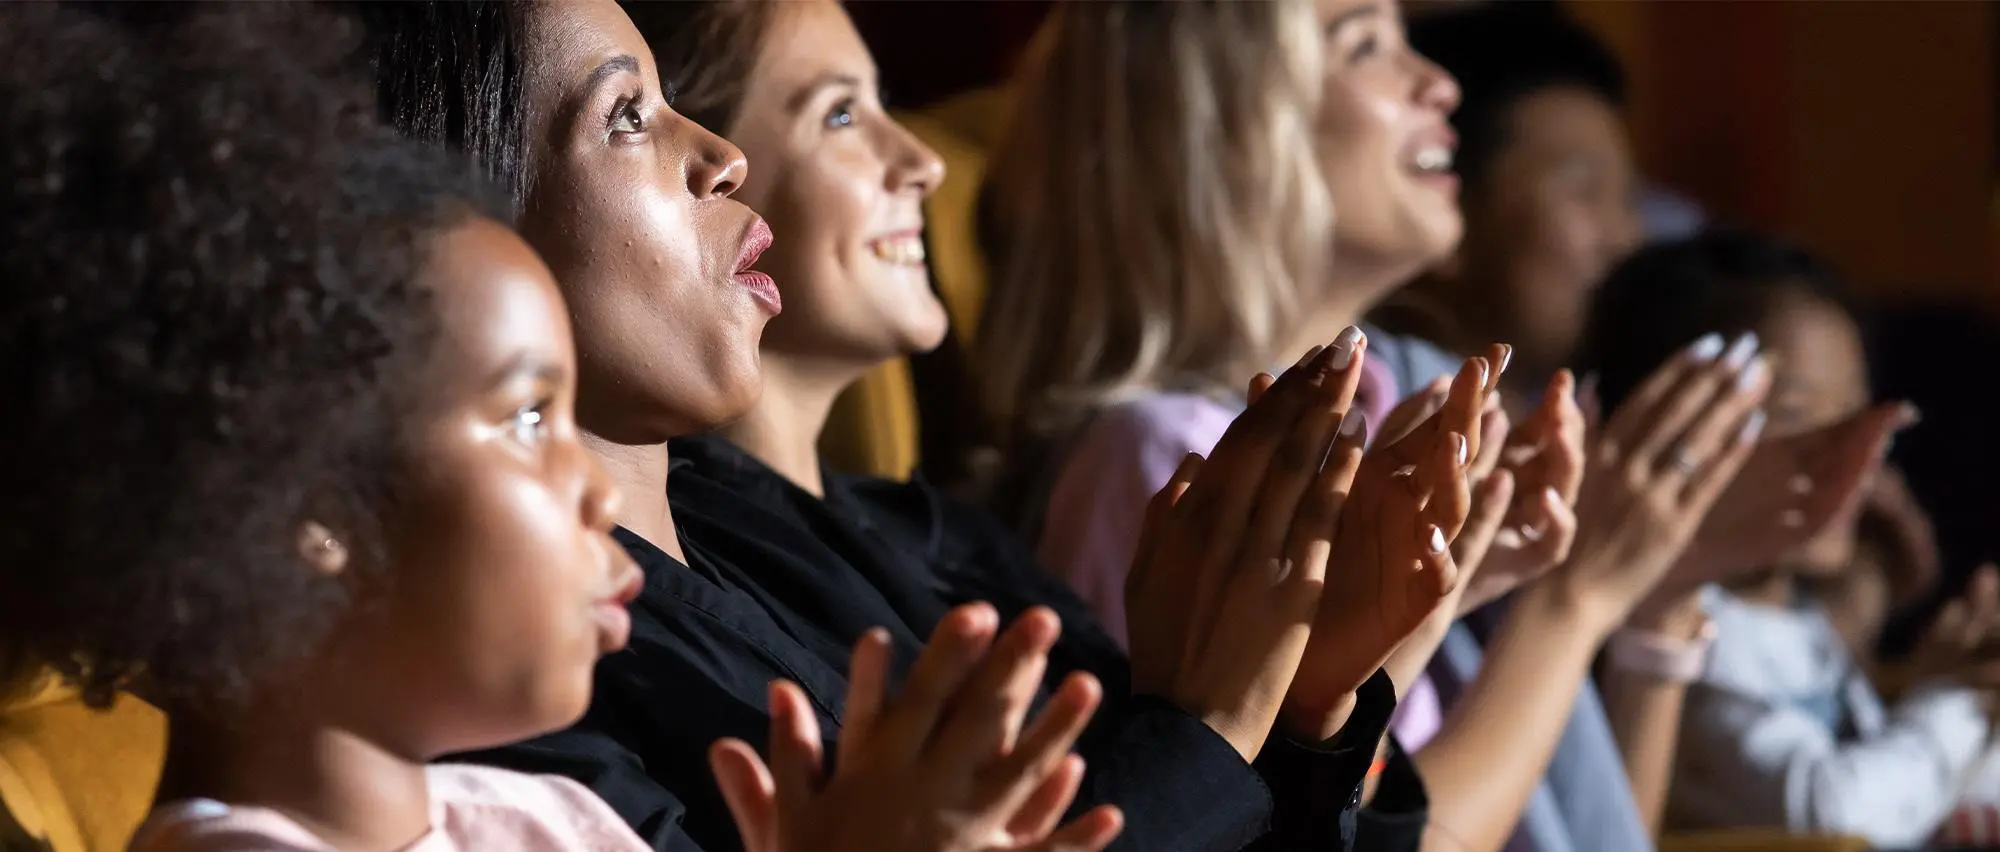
569 39
496 300
1565 118
811 37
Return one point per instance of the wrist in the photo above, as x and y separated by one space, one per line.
1560 600
1314 725
1674 614
1675 654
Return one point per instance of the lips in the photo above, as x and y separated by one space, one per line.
761 287
614 619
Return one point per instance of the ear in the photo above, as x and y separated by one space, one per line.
321 549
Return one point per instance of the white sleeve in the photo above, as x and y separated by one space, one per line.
1755 762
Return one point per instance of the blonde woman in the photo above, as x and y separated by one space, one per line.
1164 222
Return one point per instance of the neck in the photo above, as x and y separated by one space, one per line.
1348 302
1771 588
641 474
349 791
783 429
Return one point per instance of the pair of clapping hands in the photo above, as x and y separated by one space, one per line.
1275 576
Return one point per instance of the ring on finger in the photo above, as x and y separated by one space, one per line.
1683 461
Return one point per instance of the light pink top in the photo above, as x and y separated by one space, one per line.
473 809
1127 453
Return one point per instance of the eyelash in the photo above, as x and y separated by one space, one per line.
1368 47
529 425
625 108
843 109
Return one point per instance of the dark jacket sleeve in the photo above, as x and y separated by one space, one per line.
1394 820
1316 789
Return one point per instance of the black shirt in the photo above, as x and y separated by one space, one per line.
780 583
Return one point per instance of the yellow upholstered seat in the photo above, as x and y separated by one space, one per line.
74 779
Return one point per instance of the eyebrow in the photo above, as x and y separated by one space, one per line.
616 64
824 81
531 366
1352 15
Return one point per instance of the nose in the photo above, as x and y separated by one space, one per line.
715 168
913 165
1436 88
601 498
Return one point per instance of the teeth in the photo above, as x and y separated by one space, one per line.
907 251
1434 158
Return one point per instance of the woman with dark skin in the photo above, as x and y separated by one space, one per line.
335 392
630 204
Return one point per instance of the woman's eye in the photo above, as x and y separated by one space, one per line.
528 426
1368 47
627 119
841 115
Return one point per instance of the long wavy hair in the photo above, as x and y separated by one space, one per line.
1155 216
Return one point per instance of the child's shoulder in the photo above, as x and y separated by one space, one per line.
475 801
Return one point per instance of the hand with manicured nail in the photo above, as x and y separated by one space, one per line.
1233 553
945 766
1793 488
1541 466
1392 563
1655 472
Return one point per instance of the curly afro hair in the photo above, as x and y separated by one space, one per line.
210 322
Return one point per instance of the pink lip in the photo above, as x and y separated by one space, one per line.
614 619
760 285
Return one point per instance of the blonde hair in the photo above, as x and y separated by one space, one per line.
1155 215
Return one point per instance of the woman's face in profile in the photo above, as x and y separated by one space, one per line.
630 205
843 185
1385 139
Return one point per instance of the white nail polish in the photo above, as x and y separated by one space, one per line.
1753 426
1531 533
1354 425
1462 446
1752 374
1437 540
1800 484
1741 350
1344 346
1706 348
1506 357
203 809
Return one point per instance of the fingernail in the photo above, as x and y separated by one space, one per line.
1506 356
1552 497
1705 348
1800 484
1530 532
1354 425
1460 448
1741 350
1186 469
1751 374
1437 539
1485 371
203 809
1908 415
1753 426
1343 347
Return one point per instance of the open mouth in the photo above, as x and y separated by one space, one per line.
899 249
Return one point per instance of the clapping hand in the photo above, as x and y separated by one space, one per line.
943 767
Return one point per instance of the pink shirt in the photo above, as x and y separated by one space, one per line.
1125 455
473 809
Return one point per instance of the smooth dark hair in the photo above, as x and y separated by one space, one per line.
454 75
1666 295
212 330
1501 52
705 50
